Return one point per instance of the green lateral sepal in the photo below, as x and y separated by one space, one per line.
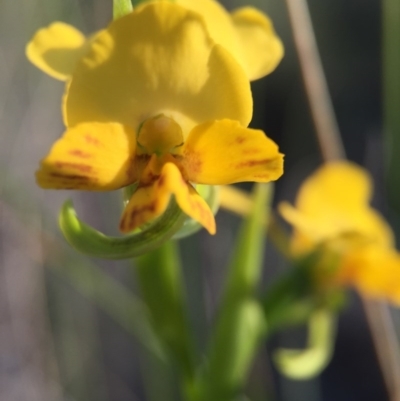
94 243
304 364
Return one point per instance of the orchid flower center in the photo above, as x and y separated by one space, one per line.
159 135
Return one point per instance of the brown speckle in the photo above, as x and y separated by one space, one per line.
84 168
79 153
135 217
91 140
70 176
191 162
252 163
161 181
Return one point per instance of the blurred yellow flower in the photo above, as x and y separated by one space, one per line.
156 102
247 34
332 209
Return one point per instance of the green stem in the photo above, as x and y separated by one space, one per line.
286 303
160 279
246 264
121 8
295 297
241 322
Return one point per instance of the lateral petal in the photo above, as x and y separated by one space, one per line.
56 49
150 201
224 152
90 156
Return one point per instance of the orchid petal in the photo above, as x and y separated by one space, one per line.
333 201
223 152
91 156
158 59
149 201
56 49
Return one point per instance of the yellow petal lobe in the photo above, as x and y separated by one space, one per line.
56 49
151 200
332 210
247 34
374 271
219 24
262 49
332 201
157 59
91 156
224 152
339 185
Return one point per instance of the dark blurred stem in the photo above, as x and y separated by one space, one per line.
391 98
390 354
327 132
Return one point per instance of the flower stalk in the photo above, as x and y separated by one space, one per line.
159 274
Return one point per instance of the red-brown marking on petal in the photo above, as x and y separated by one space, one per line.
131 220
145 184
261 176
252 163
70 176
250 151
191 162
84 168
196 205
240 139
148 180
161 181
79 153
91 140
137 165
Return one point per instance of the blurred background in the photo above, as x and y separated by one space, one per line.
64 334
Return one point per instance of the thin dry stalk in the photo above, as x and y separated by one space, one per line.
386 344
329 139
322 112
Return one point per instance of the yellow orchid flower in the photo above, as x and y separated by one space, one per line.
332 208
247 34
156 102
